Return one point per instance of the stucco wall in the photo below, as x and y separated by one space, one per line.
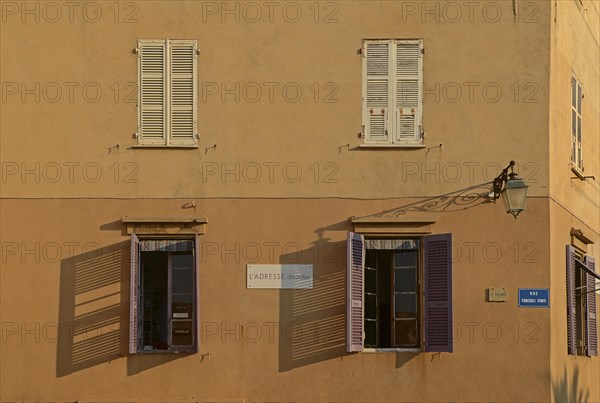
574 203
261 344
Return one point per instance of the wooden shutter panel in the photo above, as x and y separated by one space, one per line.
438 293
571 338
592 329
197 293
376 87
407 87
182 92
355 269
151 92
134 295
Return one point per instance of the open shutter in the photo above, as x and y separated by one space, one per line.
134 295
197 292
592 330
182 92
151 92
354 317
571 299
438 293
376 91
407 88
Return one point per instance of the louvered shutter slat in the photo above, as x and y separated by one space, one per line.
182 92
134 295
152 111
571 300
408 108
592 324
354 316
438 293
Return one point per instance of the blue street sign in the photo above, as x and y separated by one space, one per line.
534 297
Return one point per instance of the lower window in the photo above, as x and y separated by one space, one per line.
399 293
392 296
581 303
163 290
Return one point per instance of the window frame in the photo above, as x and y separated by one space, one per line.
392 113
581 304
168 140
576 112
429 332
136 342
392 293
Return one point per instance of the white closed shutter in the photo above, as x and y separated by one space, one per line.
182 91
376 91
407 88
151 92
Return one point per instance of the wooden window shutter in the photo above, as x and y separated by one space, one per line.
354 306
376 91
134 295
152 92
571 338
182 92
197 292
408 86
438 293
592 329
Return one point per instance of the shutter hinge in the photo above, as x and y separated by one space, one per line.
422 51
361 51
197 51
135 51
136 135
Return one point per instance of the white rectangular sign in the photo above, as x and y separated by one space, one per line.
279 276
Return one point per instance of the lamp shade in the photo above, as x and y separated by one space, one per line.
515 195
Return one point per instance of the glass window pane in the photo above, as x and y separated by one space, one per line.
406 280
182 260
370 306
406 305
182 306
370 280
405 333
405 258
182 332
183 280
370 334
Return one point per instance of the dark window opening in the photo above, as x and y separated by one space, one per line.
167 300
391 298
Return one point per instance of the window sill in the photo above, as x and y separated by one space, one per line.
171 352
579 174
391 350
162 146
415 146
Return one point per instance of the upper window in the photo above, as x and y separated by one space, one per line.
392 92
581 303
400 293
163 295
576 135
167 92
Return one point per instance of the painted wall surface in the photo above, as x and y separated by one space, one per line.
574 203
278 174
69 99
261 344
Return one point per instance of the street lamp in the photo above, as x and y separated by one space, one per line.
512 189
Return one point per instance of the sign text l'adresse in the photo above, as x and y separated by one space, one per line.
534 297
282 276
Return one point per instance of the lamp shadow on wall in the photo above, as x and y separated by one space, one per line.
313 321
569 390
462 199
94 312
